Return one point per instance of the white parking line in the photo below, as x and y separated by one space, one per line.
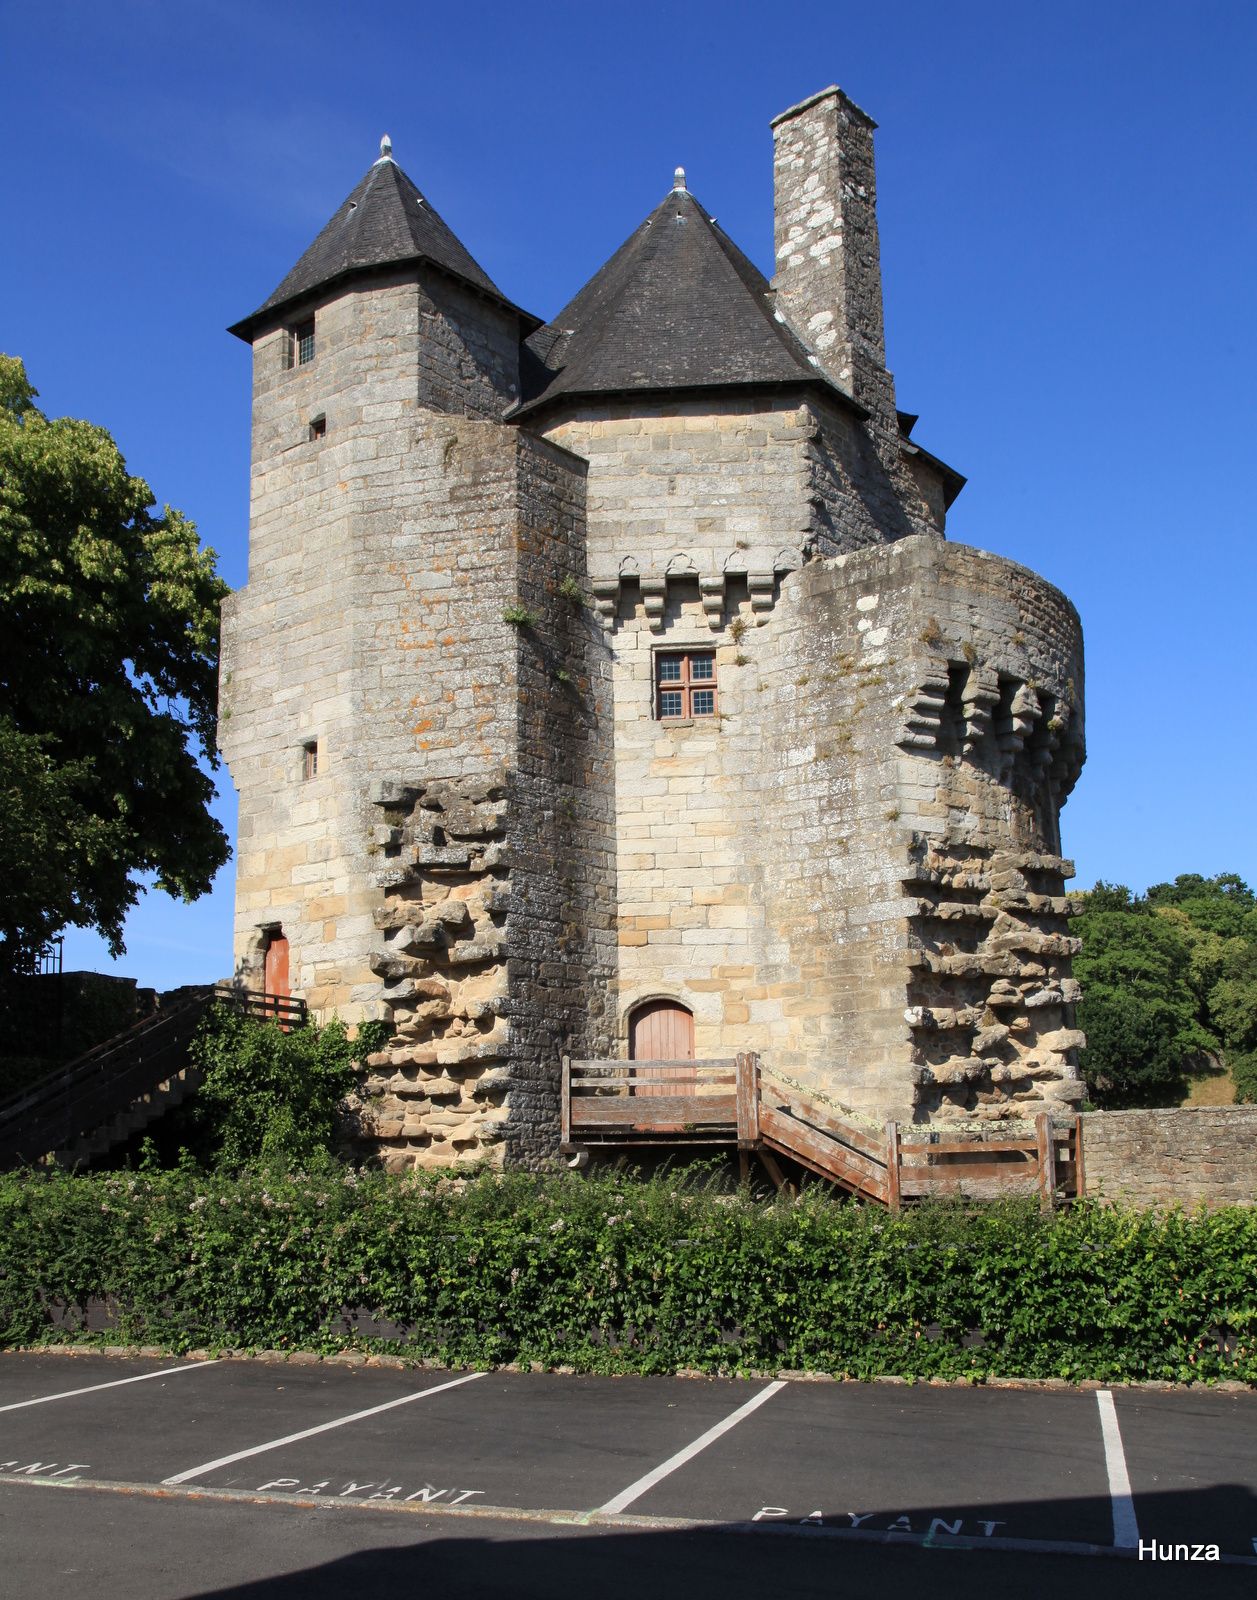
114 1383
1125 1528
309 1433
635 1491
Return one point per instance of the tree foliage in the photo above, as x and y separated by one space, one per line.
1169 983
108 667
271 1096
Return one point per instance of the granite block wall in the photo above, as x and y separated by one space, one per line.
386 558
459 801
706 492
829 276
561 922
917 872
867 897
1191 1156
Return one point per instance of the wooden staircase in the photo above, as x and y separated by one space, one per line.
96 1103
626 1104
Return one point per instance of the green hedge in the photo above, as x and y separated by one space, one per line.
612 1274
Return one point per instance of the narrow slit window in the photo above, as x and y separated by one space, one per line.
310 760
318 428
685 684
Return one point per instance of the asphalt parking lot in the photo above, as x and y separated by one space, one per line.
220 1478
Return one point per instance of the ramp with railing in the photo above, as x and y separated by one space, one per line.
636 1104
104 1097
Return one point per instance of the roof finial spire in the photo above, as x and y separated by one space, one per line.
678 180
386 148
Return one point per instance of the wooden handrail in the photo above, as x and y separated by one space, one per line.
89 1091
748 1102
766 1115
802 1104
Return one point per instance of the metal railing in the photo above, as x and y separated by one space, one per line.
39 961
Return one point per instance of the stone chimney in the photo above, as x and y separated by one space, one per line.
829 275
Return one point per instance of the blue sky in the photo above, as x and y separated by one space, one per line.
1068 242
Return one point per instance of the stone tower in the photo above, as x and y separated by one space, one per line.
615 675
394 739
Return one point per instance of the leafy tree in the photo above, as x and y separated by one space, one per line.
1169 980
108 664
1139 1010
1244 1076
271 1096
1224 905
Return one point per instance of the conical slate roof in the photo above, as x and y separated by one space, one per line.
385 222
678 306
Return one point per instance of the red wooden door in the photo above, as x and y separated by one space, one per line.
662 1030
275 968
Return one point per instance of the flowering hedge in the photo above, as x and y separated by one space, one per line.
614 1274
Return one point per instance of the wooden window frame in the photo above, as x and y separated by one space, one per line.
309 760
687 685
294 337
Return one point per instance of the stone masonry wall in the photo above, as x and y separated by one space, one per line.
382 556
992 728
684 798
561 922
704 491
1191 1156
385 558
855 498
467 350
730 495
829 279
289 642
494 935
847 819
802 872
437 1093
828 287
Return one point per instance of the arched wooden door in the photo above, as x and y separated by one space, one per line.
662 1030
275 964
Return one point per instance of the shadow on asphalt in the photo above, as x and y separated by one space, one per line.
540 1562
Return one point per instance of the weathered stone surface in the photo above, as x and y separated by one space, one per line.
1191 1156
852 868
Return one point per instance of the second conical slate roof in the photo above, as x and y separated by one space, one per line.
386 221
678 306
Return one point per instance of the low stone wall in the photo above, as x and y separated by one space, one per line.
1184 1157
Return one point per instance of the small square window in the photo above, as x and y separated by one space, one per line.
310 760
318 428
682 672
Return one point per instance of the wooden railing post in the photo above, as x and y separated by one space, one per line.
1047 1159
565 1103
1080 1174
892 1165
746 1070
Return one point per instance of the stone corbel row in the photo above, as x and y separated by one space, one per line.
1025 731
652 588
924 721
